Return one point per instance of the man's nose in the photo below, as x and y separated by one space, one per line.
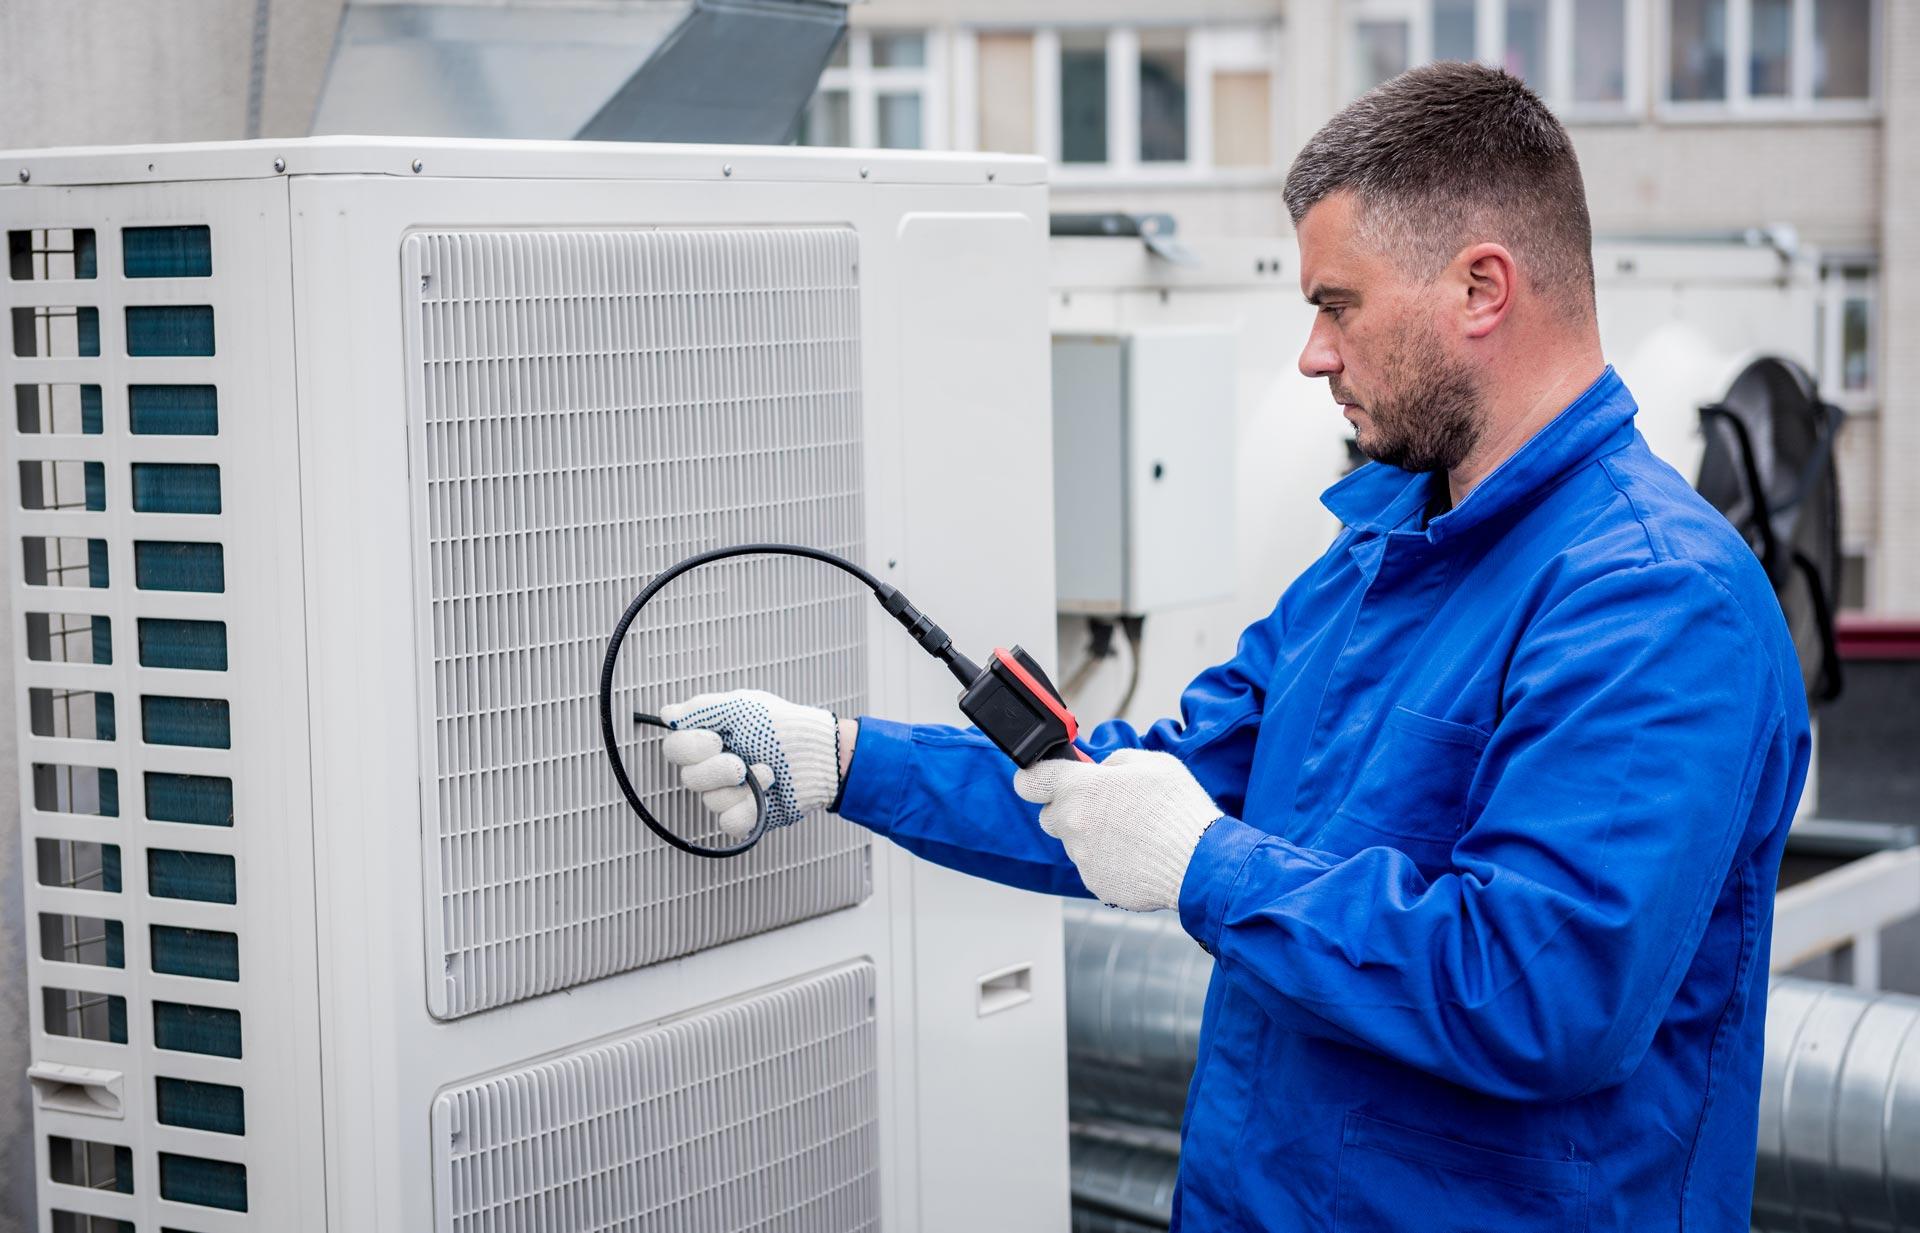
1319 358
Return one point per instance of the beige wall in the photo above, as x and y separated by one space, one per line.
1899 550
1824 178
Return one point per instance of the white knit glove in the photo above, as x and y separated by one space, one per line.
795 751
1130 824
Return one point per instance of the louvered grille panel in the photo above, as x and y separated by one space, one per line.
759 1114
593 406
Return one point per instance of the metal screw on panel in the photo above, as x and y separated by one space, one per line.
863 173
989 177
418 166
279 164
727 170
25 175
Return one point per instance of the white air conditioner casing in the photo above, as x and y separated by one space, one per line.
465 398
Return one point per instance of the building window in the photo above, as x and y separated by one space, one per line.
1454 35
876 92
1163 96
1600 56
1573 52
1842 49
1083 97
1848 311
1161 103
1526 40
1768 56
1383 50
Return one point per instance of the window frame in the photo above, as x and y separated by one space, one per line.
1209 49
1739 102
1837 286
1490 47
863 83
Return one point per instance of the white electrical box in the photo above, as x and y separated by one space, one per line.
1144 427
334 462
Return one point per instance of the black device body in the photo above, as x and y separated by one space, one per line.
1017 707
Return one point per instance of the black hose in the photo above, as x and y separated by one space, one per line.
931 638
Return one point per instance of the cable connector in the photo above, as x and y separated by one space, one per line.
934 640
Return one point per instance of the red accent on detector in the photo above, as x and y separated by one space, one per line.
1046 698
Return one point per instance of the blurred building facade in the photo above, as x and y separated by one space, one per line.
1692 117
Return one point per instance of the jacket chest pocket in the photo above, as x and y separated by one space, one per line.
1411 792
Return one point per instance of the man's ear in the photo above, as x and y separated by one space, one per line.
1489 279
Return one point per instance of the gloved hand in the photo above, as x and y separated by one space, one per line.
1130 824
795 752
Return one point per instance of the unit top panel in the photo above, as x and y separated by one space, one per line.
448 157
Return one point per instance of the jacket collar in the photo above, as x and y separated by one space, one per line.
1380 498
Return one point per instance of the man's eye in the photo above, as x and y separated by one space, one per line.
1332 310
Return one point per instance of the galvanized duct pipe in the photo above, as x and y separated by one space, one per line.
1839 1104
1120 1186
1839 1111
1135 987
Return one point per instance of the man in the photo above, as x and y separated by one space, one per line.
1481 824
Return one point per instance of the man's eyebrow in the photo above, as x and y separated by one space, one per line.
1320 294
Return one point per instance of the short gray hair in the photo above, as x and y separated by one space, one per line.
1451 154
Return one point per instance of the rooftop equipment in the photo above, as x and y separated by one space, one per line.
1769 467
333 463
715 71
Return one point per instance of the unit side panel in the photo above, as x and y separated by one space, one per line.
987 959
155 591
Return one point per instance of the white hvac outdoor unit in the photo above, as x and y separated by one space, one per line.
335 462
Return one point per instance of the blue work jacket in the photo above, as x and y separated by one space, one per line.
1504 794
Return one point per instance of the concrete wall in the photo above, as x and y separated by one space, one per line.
1899 583
119 72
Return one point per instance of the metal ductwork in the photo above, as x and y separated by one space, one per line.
735 72
1121 1186
1839 1103
1839 1111
1136 985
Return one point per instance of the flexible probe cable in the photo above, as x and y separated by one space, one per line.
930 636
1010 700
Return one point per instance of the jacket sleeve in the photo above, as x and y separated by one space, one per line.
1641 722
947 793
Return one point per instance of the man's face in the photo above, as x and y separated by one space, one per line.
1380 339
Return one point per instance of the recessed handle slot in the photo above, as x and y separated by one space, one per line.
76 1089
1005 989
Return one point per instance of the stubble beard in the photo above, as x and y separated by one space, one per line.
1427 414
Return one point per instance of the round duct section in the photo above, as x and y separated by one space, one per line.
1839 1111
1839 1142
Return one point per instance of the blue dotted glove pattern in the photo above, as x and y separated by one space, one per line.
747 730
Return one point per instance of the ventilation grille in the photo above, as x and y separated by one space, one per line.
592 407
757 1115
122 530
